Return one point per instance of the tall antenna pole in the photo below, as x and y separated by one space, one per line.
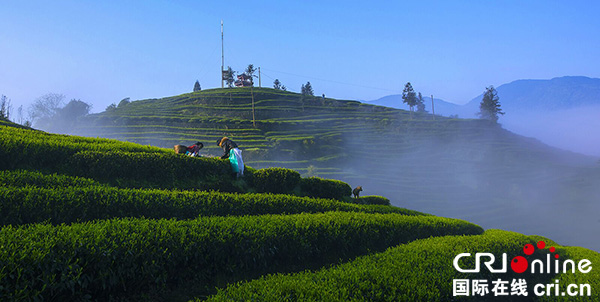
222 56
259 83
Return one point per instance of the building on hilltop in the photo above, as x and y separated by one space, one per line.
244 80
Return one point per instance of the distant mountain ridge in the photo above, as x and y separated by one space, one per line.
562 112
546 95
559 93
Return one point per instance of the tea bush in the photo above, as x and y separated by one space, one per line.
325 188
106 259
418 271
275 180
372 199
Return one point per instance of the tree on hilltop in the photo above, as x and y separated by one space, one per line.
409 97
489 108
76 108
124 102
197 86
5 108
250 70
229 76
46 107
421 104
307 89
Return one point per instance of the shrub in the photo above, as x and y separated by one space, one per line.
418 271
107 259
372 199
33 149
111 161
31 197
23 178
275 180
324 188
151 170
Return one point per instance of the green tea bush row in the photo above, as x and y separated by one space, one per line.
153 170
110 161
325 188
130 165
592 278
22 178
418 271
27 197
372 199
117 257
25 148
275 180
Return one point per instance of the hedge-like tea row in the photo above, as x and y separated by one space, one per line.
325 188
130 165
23 205
153 170
125 256
111 161
418 271
24 148
22 178
592 278
275 180
372 199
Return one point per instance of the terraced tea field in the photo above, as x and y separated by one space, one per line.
104 220
467 169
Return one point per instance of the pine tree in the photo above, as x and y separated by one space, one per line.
197 86
229 77
250 70
307 89
409 97
277 84
489 108
421 104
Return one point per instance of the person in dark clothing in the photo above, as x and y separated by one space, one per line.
194 150
233 153
227 146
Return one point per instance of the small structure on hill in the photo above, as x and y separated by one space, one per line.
244 80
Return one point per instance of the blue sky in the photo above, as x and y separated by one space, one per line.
103 51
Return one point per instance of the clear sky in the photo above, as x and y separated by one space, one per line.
103 51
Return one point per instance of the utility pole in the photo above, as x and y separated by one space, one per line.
222 57
252 93
259 84
432 109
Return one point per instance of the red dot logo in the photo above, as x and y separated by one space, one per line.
541 245
519 264
528 249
